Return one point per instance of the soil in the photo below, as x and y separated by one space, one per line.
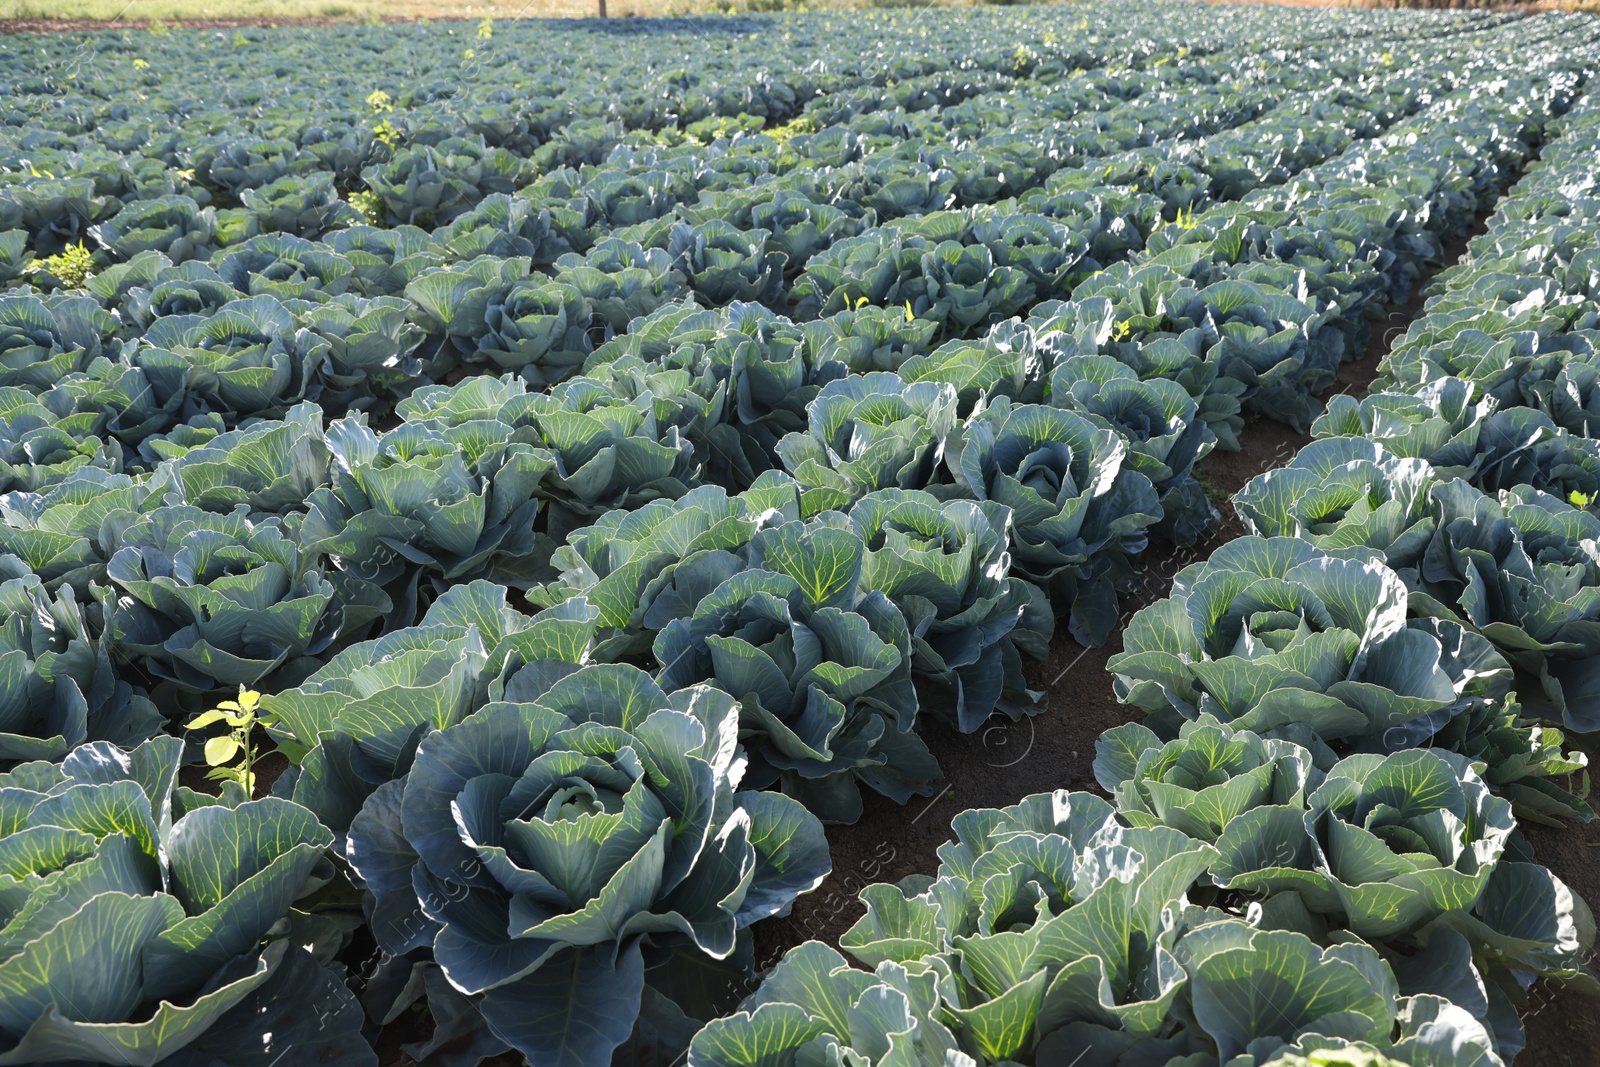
1563 1025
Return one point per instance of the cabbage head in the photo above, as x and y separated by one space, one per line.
1274 632
947 567
821 669
218 601
1161 424
1079 511
57 687
868 432
563 856
149 925
1344 492
1522 568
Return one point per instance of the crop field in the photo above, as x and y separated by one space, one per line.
1031 537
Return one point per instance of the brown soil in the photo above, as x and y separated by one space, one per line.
1563 1025
269 764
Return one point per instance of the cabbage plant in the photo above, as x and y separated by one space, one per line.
66 534
54 210
1493 449
111 284
1279 347
1053 929
1005 362
150 925
1161 425
741 376
285 266
268 467
1566 387
490 311
806 1006
1507 352
247 360
1067 330
173 225
423 500
41 344
451 305
541 331
1263 346
625 197
218 601
962 287
191 288
821 669
1431 871
876 267
562 857
131 404
723 263
1522 568
1415 847
1203 779
868 338
505 226
385 260
1050 254
1273 632
235 163
302 205
1079 512
1524 761
46 436
603 450
672 551
368 352
892 187
1271 991
354 723
1395 866
57 686
798 228
772 381
1408 425
622 280
868 432
432 184
1345 492
947 567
